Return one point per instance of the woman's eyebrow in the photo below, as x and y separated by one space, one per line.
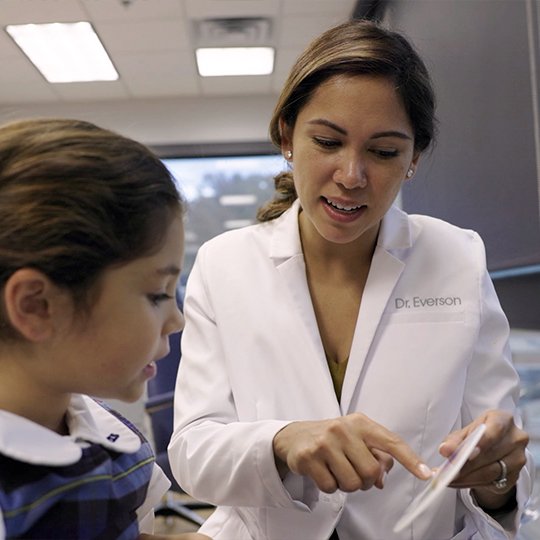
398 134
327 123
378 135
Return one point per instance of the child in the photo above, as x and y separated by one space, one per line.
91 247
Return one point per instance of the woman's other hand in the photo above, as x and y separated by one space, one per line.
502 442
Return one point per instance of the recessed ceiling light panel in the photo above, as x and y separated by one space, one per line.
64 52
230 61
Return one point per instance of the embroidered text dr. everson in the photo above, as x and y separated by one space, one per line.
428 301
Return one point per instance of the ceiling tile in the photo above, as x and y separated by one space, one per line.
138 36
135 10
93 91
318 7
164 74
231 8
297 31
240 85
41 11
19 89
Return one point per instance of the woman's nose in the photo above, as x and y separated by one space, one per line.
351 172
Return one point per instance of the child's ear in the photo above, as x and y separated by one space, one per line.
27 299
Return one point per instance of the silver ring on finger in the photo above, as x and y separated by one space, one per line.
502 481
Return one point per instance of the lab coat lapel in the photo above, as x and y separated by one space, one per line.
286 251
386 268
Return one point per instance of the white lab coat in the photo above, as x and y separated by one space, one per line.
430 353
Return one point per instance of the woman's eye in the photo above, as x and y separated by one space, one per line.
160 297
326 143
386 154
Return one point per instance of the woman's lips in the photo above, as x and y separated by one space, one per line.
343 211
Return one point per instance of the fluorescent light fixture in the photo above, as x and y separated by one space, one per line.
64 52
224 61
237 200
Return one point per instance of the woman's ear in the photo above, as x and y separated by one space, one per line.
27 300
285 132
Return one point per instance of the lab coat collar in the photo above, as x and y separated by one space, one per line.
395 232
88 422
286 236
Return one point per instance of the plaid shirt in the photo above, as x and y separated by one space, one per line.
93 484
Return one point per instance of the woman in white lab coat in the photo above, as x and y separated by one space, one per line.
331 349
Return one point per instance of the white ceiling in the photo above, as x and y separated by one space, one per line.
152 44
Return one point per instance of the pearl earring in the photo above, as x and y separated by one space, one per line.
288 154
409 173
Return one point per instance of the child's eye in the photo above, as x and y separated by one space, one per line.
160 297
326 143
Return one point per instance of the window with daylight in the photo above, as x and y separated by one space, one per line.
223 192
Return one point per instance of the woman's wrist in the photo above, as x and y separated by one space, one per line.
495 503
